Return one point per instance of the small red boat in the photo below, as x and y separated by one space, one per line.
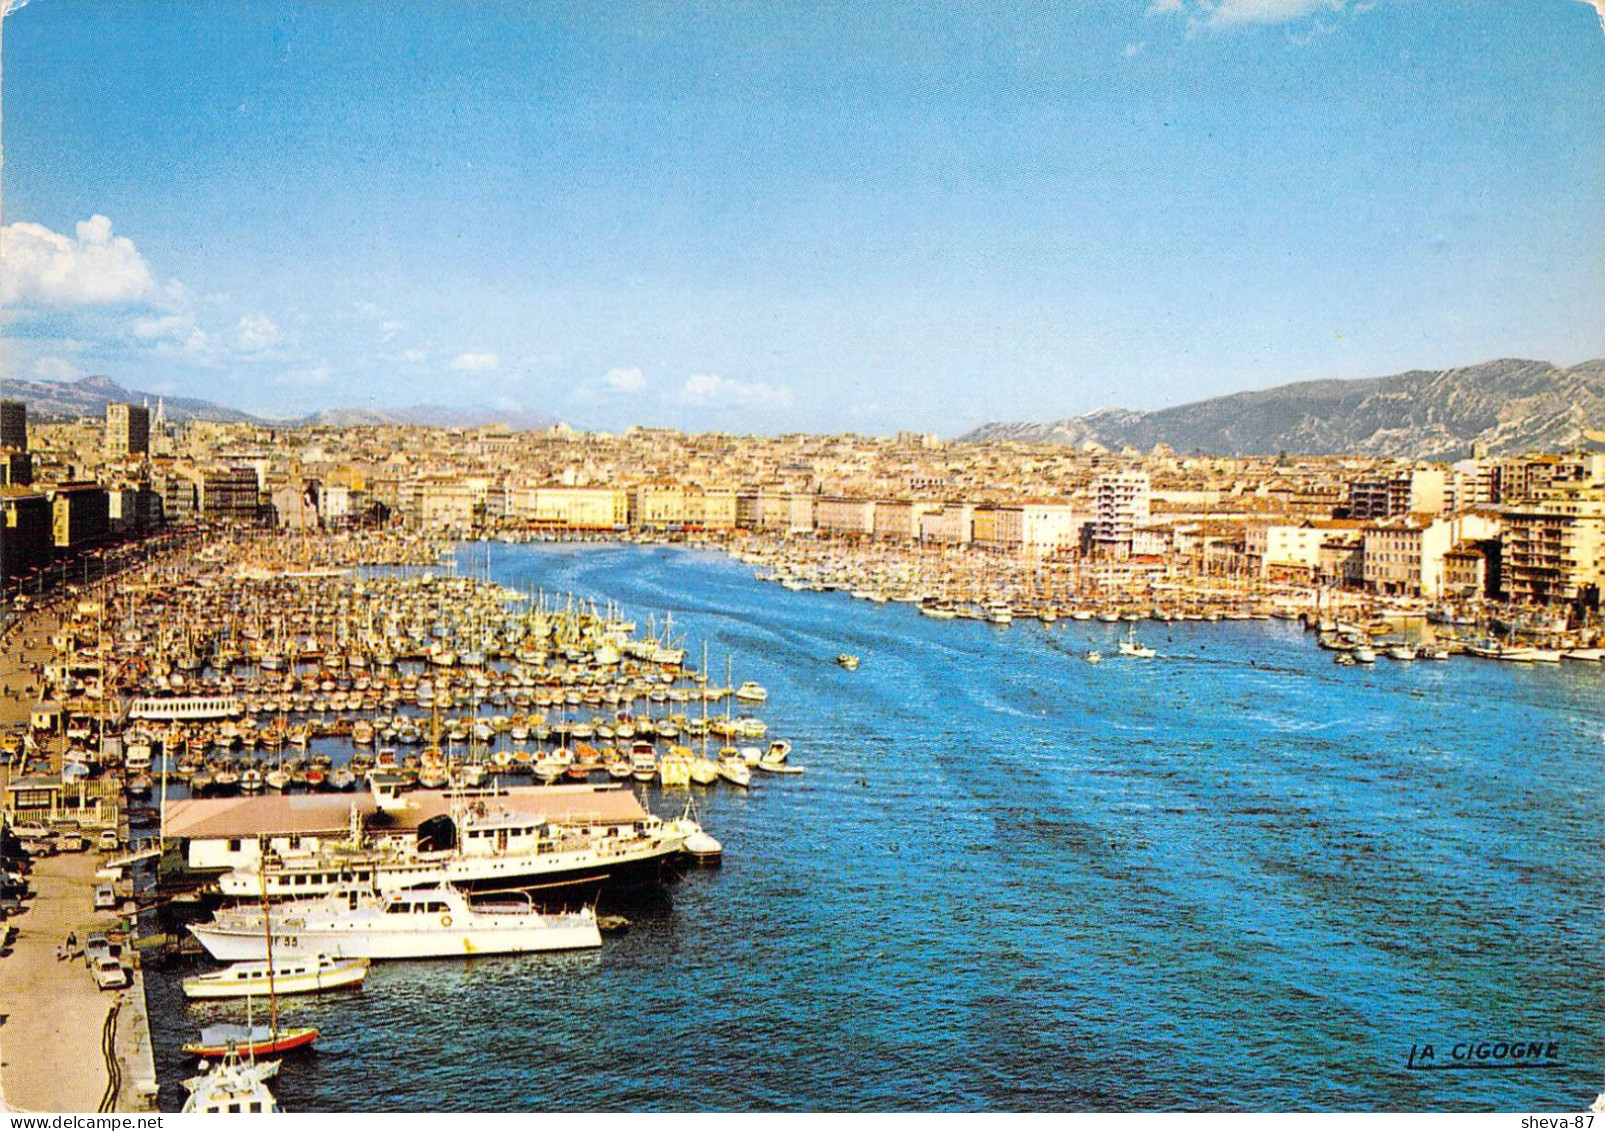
250 1040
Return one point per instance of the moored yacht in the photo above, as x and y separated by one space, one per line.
436 922
482 841
290 976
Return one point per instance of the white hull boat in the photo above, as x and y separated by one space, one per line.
296 976
423 923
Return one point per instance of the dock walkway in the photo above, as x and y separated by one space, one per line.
53 1017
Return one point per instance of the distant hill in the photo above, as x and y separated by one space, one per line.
89 396
432 416
1510 405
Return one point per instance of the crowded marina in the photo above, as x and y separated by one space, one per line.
324 767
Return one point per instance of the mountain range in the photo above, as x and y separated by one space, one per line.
1509 405
89 396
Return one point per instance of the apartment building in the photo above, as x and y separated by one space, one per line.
835 515
1404 555
1121 505
1554 546
127 431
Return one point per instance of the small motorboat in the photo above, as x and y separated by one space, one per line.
848 661
751 692
703 849
772 767
734 769
288 976
1131 646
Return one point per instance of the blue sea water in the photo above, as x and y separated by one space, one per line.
1234 877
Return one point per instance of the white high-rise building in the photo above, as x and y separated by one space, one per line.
1121 507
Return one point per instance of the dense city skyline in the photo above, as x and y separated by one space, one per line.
851 218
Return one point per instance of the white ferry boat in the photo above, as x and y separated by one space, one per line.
437 922
481 844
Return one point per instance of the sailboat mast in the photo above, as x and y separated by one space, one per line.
267 928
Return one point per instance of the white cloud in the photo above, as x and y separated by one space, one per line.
1209 14
475 362
306 378
56 369
91 268
1135 49
706 388
1231 12
629 380
256 332
392 327
414 355
174 326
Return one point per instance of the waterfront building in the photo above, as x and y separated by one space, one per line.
1554 546
1035 528
657 506
1284 550
132 509
1156 541
710 509
766 509
80 515
1122 505
1342 557
230 494
1404 555
953 525
800 513
1471 569
844 516
898 520
179 490
27 533
127 431
570 508
448 504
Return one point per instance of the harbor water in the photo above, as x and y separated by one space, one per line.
1234 876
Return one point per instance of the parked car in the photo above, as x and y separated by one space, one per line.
96 947
109 974
105 898
109 841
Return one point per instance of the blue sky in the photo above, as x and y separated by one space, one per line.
765 217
